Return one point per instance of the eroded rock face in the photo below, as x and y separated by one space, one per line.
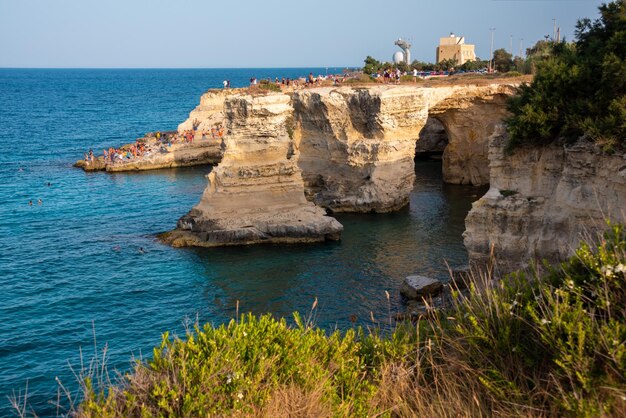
543 201
470 117
345 149
432 139
210 112
357 145
256 193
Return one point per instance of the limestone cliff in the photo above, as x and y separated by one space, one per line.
357 144
256 193
210 112
470 116
342 148
433 138
543 201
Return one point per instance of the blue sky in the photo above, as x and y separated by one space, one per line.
267 33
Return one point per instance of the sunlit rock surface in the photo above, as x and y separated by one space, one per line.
286 156
543 201
256 194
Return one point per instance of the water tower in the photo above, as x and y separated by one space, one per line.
406 47
398 57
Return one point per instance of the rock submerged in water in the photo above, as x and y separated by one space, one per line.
416 287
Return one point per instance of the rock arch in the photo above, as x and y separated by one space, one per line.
432 140
469 125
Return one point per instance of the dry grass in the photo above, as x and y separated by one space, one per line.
291 401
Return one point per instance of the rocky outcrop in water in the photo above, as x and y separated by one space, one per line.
160 154
256 193
344 149
543 201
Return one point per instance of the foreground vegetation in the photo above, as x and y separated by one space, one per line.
579 88
531 345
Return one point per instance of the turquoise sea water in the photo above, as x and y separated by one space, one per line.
74 261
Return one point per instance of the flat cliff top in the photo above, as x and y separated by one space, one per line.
452 81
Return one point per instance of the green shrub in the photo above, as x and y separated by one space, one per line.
531 344
409 78
581 319
269 86
237 368
578 89
507 193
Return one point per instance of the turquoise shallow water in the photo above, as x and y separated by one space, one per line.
74 260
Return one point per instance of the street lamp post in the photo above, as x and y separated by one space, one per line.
491 50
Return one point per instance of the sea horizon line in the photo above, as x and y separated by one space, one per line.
172 68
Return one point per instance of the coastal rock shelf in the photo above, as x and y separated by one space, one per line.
161 155
288 155
204 149
543 201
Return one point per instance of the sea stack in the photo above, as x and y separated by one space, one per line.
256 194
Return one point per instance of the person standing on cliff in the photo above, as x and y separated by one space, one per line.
225 83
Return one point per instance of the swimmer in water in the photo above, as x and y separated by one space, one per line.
30 203
49 184
39 201
141 250
117 248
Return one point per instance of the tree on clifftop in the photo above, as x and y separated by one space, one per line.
580 89
372 65
502 60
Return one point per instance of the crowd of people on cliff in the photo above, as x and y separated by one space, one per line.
394 76
295 83
390 76
143 147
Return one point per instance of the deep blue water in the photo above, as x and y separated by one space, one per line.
74 260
